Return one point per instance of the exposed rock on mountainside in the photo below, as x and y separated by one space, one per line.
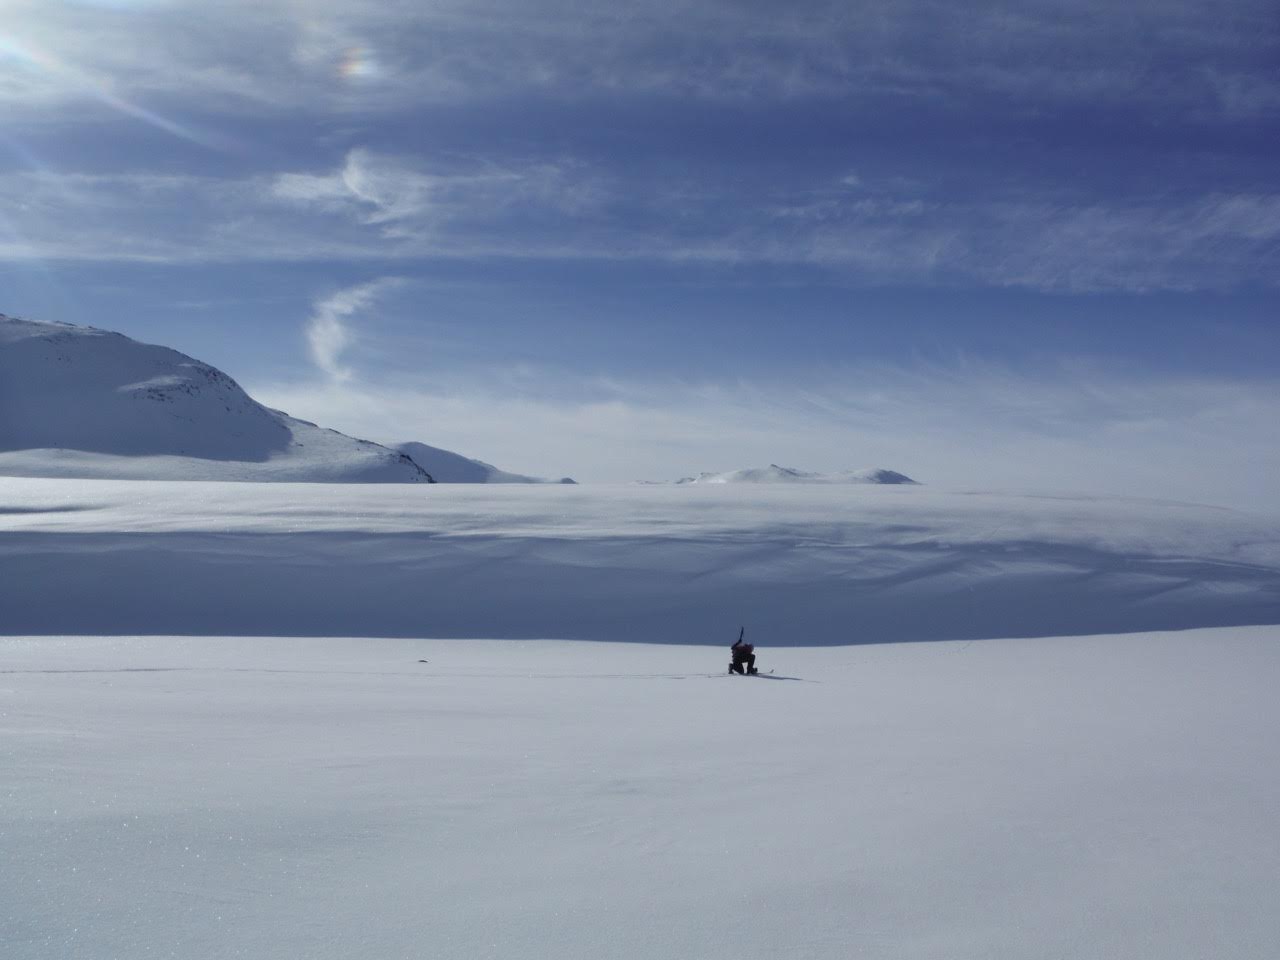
445 466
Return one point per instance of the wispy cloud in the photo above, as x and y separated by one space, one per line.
372 206
406 200
375 207
364 54
369 188
329 332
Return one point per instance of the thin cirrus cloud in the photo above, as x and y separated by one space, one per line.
371 207
362 54
404 199
374 207
368 188
1210 226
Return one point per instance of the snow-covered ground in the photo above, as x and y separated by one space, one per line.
797 564
278 782
216 797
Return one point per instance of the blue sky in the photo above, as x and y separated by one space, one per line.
1023 244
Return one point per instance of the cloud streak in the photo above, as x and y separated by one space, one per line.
361 55
329 332
375 207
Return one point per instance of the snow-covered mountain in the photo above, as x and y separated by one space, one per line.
776 474
82 402
445 466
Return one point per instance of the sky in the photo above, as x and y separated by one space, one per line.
1026 245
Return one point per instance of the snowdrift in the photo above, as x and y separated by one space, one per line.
806 564
445 466
81 402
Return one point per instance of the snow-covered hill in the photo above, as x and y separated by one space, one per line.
776 474
445 466
82 402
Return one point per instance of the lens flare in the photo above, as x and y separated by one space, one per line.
35 59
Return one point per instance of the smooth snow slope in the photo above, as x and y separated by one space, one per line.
1074 799
445 466
674 564
81 402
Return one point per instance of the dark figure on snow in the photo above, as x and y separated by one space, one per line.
744 656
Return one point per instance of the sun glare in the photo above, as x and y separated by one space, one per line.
34 59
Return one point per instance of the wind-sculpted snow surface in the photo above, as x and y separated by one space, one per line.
670 564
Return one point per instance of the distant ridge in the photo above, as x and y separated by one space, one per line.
776 474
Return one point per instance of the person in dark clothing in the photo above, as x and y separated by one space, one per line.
744 655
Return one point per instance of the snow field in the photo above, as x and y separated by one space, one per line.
797 564
332 798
